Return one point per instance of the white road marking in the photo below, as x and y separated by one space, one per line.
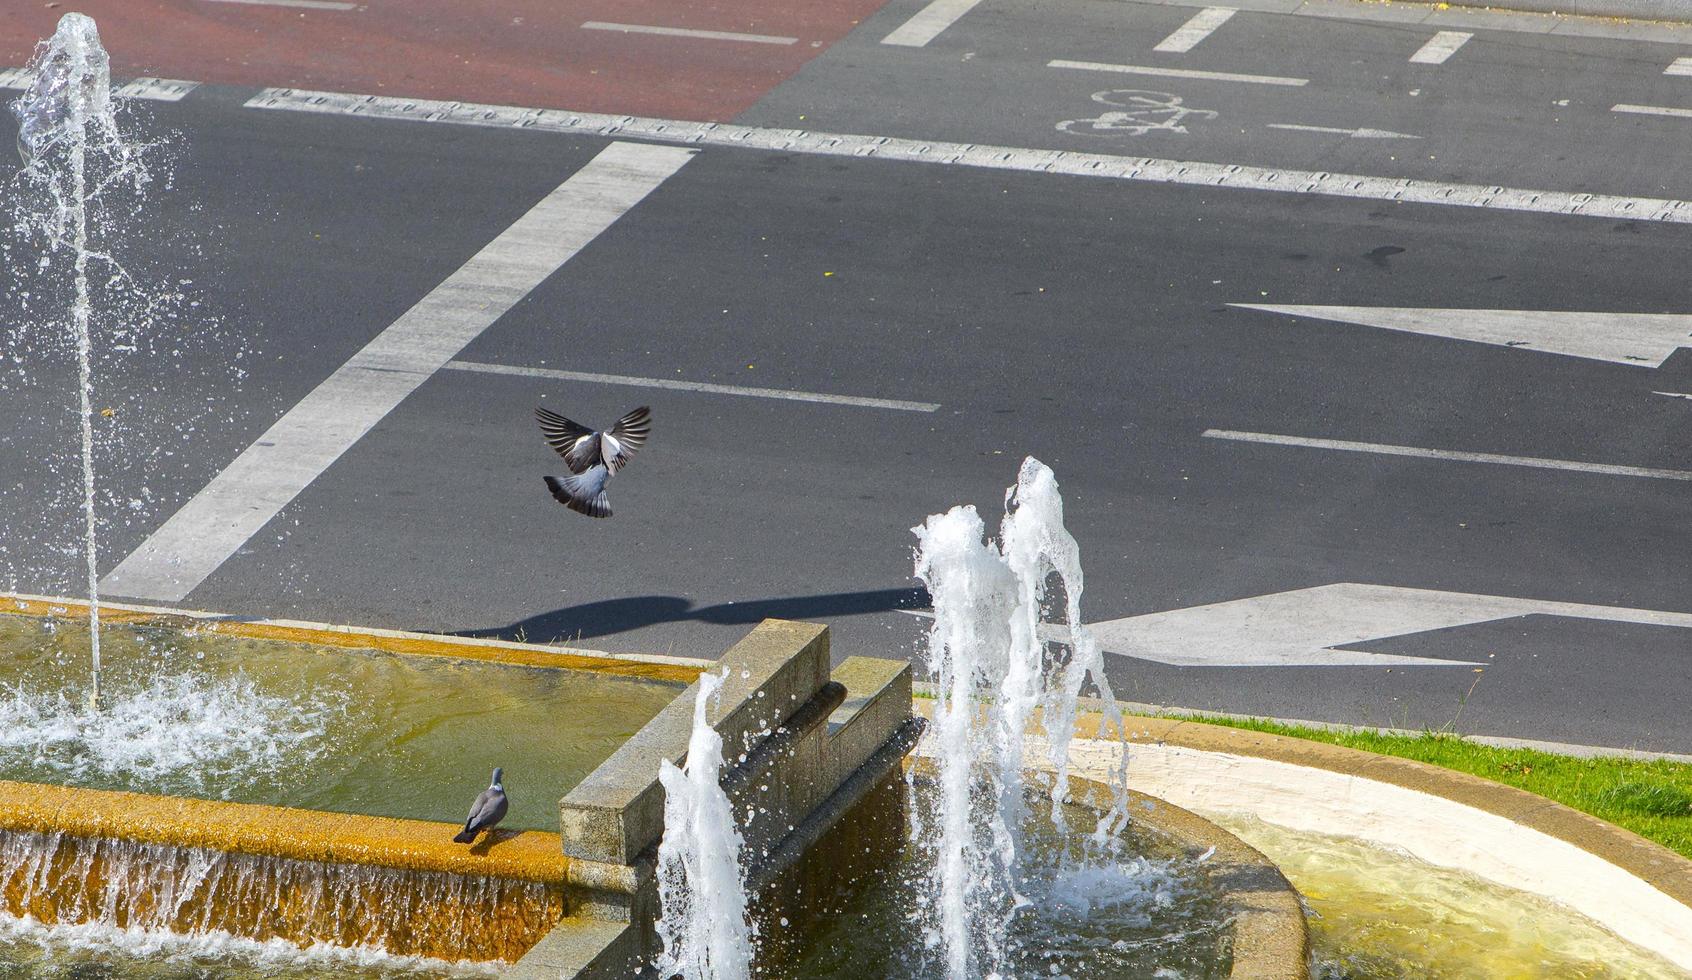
989 157
1674 394
1451 455
1214 76
1651 110
1440 47
157 89
1188 35
929 22
304 4
328 421
1637 339
1302 627
672 384
1362 134
599 25
1681 66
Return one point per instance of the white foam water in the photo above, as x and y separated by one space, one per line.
184 731
701 881
995 671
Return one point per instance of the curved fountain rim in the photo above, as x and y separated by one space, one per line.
1271 938
1656 865
656 667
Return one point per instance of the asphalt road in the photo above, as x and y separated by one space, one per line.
1084 321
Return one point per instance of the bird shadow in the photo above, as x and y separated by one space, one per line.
489 838
610 616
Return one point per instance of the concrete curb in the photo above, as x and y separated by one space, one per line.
1667 11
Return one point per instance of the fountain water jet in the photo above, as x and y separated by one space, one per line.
701 882
988 653
66 117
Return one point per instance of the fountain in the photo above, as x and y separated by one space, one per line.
68 134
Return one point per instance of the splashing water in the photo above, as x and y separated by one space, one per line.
701 884
987 653
67 136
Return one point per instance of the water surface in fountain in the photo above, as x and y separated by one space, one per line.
1146 911
260 721
1378 915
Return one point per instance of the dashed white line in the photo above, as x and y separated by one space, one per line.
1362 134
1440 47
1032 160
156 89
303 4
1215 76
270 473
599 25
782 394
1188 35
929 22
1681 66
1652 110
1453 455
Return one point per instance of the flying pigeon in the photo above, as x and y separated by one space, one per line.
488 810
593 457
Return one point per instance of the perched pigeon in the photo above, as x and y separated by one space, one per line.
488 810
593 457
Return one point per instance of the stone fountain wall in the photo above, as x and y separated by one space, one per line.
804 745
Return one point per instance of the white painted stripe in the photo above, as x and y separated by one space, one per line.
671 384
1440 47
599 25
1675 394
1215 76
1062 162
1188 35
929 22
157 89
1651 110
304 4
1681 66
327 422
1453 455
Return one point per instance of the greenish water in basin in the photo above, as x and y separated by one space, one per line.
259 721
1380 915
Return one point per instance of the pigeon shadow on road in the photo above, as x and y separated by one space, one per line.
621 615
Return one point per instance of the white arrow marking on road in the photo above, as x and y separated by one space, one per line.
1639 339
1362 134
1301 628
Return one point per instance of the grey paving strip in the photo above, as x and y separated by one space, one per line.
782 394
1435 15
1033 160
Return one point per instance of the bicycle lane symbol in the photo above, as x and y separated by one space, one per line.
1141 112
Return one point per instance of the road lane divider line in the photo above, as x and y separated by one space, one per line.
928 23
672 384
1214 76
271 472
600 25
1201 26
1652 110
1404 190
1450 455
154 89
1440 47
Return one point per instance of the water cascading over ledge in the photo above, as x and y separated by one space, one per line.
190 867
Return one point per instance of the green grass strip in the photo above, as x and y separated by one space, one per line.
1651 798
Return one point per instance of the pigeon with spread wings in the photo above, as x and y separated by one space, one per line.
593 456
